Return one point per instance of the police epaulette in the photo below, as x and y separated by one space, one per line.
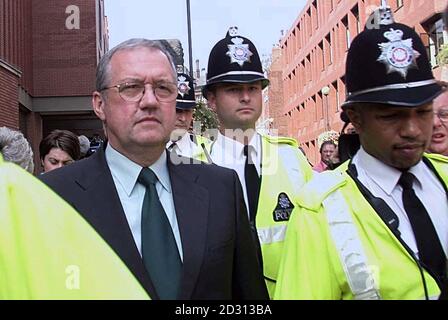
437 157
282 140
319 187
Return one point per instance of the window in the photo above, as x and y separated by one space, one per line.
321 102
308 68
330 47
309 22
336 91
302 74
321 54
347 32
341 88
313 106
314 14
355 13
434 38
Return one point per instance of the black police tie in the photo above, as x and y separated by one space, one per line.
159 249
430 250
252 183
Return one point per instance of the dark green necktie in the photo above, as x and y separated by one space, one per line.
159 249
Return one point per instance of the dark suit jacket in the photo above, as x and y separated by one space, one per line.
219 257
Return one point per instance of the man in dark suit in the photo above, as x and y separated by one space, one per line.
213 255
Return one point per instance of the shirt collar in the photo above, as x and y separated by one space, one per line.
235 148
160 168
419 172
386 177
184 142
127 171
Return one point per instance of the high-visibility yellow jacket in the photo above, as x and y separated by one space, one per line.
284 170
202 143
338 247
196 154
48 251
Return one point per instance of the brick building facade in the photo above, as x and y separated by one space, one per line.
313 54
273 96
47 65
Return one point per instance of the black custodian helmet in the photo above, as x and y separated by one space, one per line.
185 92
234 59
387 63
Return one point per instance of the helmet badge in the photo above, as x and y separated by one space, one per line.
239 52
398 55
182 87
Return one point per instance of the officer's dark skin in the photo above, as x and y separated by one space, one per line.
395 135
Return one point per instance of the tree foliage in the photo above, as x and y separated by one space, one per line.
205 116
442 56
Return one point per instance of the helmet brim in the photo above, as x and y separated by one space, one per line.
243 78
403 97
185 105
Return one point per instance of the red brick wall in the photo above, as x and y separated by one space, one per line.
276 103
64 60
16 38
303 79
8 99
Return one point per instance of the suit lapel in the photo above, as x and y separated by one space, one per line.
107 216
191 202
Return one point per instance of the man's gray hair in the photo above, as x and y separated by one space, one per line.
15 148
84 144
103 68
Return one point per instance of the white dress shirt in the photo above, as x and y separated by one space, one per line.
131 193
382 181
228 153
184 146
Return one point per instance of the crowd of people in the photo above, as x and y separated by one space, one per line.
169 214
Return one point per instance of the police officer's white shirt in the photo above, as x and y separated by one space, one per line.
382 181
184 146
131 193
229 153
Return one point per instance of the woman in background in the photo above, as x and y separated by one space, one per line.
59 148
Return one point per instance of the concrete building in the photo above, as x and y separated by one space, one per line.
49 50
313 54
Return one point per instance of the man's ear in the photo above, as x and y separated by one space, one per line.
98 104
355 118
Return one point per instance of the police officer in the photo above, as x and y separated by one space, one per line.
182 142
376 227
271 169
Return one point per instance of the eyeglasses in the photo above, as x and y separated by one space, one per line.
133 92
442 114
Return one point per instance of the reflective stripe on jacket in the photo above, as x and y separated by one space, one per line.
337 246
284 170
